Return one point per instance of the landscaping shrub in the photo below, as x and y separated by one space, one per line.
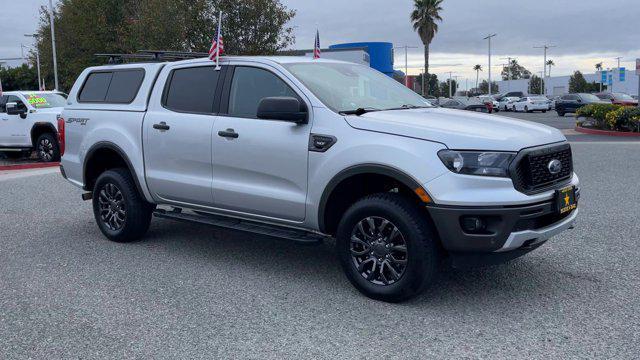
597 112
624 119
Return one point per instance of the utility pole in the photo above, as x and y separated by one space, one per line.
406 62
489 38
53 45
544 63
541 82
35 37
613 79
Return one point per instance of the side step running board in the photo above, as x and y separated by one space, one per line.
254 227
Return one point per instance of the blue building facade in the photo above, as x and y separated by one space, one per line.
380 54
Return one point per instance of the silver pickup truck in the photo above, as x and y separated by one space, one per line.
308 150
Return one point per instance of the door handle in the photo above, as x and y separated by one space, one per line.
229 133
162 126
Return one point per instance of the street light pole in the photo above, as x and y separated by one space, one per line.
406 62
544 63
612 77
489 38
53 45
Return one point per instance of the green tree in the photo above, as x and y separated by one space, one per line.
444 87
21 77
425 15
536 84
87 27
431 84
577 83
550 63
515 70
477 69
484 87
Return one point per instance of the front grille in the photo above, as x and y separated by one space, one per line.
530 172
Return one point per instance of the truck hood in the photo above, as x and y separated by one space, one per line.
458 129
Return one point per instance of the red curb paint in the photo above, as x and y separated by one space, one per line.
605 132
28 166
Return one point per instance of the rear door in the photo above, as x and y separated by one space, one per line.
262 169
177 134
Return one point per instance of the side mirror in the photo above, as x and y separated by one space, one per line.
14 109
282 108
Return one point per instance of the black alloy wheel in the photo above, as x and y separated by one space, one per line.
378 250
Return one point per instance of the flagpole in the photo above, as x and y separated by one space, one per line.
218 41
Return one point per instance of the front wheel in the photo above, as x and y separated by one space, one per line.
560 113
121 212
387 248
47 148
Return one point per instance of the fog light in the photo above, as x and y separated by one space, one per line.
473 224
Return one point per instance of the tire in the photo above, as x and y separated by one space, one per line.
415 267
47 148
544 111
526 109
514 109
560 113
126 213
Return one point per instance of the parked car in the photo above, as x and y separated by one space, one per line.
518 94
552 101
469 104
618 98
308 149
531 104
506 103
635 97
489 100
569 103
29 121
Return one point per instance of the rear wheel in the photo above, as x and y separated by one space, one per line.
560 113
47 148
121 212
387 248
526 108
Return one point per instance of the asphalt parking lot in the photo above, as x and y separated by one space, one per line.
191 291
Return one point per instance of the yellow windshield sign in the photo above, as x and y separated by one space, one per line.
37 101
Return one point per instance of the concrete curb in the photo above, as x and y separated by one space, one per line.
605 132
28 166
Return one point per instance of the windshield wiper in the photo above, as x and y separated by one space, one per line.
406 106
358 111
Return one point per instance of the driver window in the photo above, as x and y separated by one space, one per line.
250 85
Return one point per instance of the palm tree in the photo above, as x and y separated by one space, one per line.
424 16
599 66
477 68
550 63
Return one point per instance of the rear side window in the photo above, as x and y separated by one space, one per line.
114 87
191 90
3 104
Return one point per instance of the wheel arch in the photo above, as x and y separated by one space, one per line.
110 156
40 128
384 173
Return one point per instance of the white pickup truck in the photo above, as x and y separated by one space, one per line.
29 121
310 149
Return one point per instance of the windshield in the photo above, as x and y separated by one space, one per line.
45 100
620 96
347 87
538 98
589 97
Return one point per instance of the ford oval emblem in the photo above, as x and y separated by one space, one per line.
555 166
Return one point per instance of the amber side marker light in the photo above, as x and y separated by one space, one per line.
423 195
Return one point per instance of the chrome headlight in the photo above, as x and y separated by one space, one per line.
484 163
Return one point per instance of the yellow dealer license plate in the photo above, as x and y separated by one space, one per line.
566 199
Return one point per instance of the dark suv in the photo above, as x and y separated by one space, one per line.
571 102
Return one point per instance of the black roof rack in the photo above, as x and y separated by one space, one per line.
152 56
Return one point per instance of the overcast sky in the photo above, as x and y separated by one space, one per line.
583 31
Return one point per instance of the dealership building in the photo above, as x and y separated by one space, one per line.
559 85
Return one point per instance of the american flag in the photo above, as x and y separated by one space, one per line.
316 46
217 44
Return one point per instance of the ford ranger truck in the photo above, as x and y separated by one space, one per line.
308 150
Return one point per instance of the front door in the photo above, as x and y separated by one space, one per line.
177 134
14 130
259 166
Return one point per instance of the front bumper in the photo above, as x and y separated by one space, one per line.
509 231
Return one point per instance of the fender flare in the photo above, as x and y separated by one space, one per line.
42 125
110 146
378 169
